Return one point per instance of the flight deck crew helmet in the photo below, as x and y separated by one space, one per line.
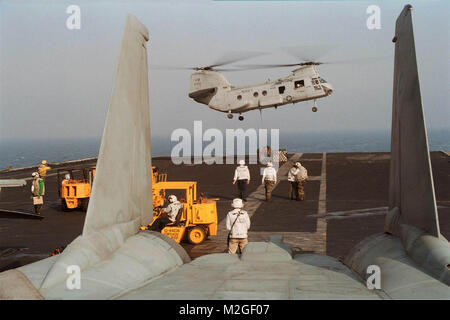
241 162
172 198
270 164
44 161
237 203
35 174
298 164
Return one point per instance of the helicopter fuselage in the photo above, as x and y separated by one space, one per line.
211 88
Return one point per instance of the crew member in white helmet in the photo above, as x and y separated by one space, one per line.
269 179
168 215
242 177
37 192
238 223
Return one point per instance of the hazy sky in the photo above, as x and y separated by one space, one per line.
56 82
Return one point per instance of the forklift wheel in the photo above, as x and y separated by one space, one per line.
196 235
64 206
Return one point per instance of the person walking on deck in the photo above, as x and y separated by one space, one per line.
242 177
269 179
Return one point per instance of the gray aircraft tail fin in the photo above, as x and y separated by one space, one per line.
121 198
122 190
411 188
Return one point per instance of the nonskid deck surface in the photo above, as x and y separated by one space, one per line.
331 220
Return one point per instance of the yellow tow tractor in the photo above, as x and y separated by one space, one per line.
196 220
74 192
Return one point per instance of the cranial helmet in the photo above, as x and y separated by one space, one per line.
35 174
44 161
172 198
270 164
237 203
241 162
298 164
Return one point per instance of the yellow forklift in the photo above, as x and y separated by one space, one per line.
74 191
197 219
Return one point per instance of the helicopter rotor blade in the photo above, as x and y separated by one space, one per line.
358 60
171 68
235 56
316 63
309 52
225 69
229 58
272 66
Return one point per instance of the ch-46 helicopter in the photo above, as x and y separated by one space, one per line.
210 87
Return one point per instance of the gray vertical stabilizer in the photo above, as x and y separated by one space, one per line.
121 198
411 187
122 191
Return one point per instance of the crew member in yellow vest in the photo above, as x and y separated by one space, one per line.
42 169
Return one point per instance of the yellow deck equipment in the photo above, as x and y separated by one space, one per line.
196 221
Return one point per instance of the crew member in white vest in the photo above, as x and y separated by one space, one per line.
237 223
269 179
242 177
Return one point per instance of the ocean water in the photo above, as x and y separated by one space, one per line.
21 153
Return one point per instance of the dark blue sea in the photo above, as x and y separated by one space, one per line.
21 153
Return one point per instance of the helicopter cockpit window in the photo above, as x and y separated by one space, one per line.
239 97
299 84
255 94
264 93
316 83
281 89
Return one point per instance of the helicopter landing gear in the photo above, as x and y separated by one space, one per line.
314 108
230 115
241 118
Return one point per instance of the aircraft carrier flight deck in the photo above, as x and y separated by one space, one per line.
346 201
